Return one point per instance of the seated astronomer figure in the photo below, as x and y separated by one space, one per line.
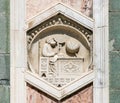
48 47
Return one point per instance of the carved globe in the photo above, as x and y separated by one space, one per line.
72 46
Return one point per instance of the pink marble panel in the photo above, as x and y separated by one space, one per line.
35 96
84 95
35 6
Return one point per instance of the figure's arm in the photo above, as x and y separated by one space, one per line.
47 52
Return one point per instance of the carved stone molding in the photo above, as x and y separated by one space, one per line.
58 20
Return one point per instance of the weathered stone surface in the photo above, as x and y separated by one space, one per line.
4 94
115 29
36 6
114 34
115 81
114 77
36 96
4 66
114 62
4 43
4 26
4 52
84 95
115 96
114 5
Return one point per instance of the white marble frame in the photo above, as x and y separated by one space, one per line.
100 51
18 49
55 92
18 52
65 10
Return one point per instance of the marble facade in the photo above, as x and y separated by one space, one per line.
57 50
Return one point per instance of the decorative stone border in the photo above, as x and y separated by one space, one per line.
58 20
59 93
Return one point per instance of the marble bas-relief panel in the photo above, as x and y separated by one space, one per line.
59 53
84 95
35 6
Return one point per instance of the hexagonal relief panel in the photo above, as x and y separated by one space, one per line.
59 51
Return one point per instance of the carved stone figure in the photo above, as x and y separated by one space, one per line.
48 52
48 48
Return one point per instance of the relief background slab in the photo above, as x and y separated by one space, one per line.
84 95
35 6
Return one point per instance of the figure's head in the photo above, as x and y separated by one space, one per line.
52 42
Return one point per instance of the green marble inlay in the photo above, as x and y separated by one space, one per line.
115 96
4 26
114 5
4 94
114 29
114 70
4 66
